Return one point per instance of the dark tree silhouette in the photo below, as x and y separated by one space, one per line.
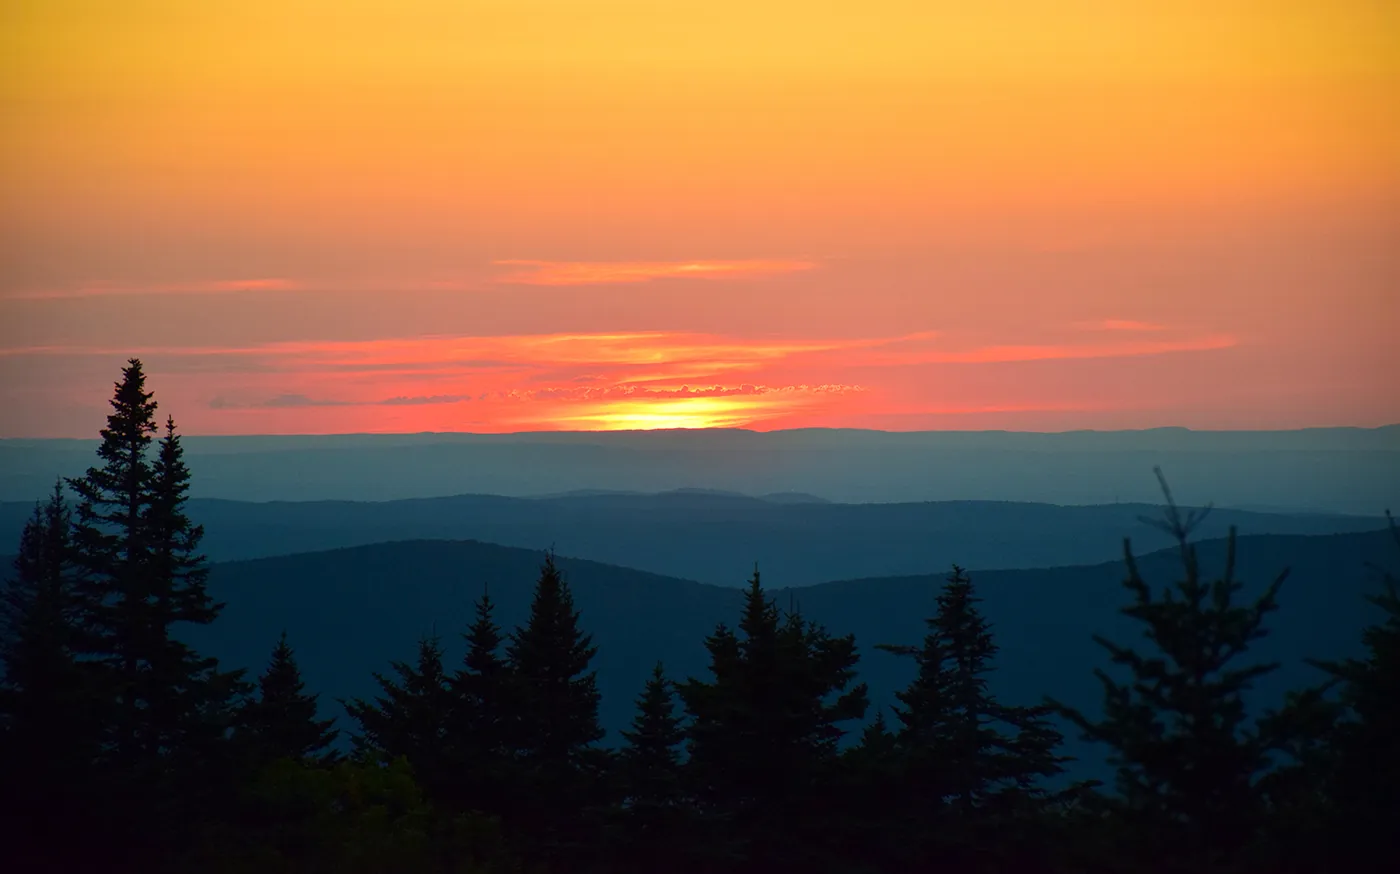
1362 780
650 758
46 736
281 723
1187 761
655 815
974 769
189 701
763 735
165 711
112 554
553 726
478 737
410 718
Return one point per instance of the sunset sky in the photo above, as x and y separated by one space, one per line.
320 216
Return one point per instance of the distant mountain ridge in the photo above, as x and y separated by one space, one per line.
1348 470
715 536
350 611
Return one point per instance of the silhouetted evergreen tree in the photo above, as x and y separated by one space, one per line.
553 726
763 736
410 719
655 812
46 736
281 722
974 769
1362 781
1187 762
478 736
650 758
875 830
112 554
164 710
191 704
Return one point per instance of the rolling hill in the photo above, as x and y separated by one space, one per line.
1348 470
349 611
716 537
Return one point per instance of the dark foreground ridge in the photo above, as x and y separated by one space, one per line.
127 746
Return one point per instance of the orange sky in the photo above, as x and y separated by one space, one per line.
497 215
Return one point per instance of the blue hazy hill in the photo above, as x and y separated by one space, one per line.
348 612
715 536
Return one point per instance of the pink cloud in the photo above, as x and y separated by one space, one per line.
105 288
615 272
1118 325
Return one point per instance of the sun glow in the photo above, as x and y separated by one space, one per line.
706 412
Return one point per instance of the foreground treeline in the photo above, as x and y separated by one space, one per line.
125 750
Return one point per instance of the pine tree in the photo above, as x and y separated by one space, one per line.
1186 760
764 732
165 711
410 719
650 758
972 764
553 723
875 828
549 661
1362 780
478 734
282 722
655 814
111 551
46 742
38 629
191 703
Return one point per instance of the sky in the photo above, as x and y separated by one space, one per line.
326 216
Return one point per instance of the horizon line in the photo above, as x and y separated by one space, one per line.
775 431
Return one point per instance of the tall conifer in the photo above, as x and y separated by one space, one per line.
46 725
281 722
764 730
165 711
1363 780
1187 760
410 718
479 732
553 723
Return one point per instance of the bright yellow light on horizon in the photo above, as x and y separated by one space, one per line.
648 415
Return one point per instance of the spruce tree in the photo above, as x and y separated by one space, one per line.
973 766
410 719
281 723
1362 780
46 737
650 758
876 829
191 703
553 724
164 710
478 732
39 615
111 552
655 814
555 690
763 734
1187 762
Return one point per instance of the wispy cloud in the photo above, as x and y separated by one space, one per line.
631 379
105 288
642 392
622 272
293 401
1118 325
